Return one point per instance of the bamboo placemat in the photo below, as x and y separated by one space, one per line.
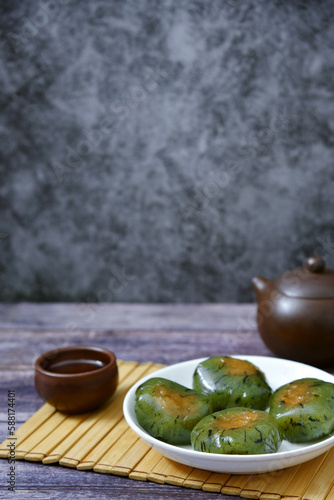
103 441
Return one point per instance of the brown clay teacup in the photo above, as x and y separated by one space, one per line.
76 379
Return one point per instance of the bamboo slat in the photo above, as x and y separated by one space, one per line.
146 465
79 430
196 479
99 423
103 441
42 432
215 482
256 484
129 460
175 472
294 480
235 484
94 456
124 438
34 422
322 481
254 495
330 494
99 456
55 438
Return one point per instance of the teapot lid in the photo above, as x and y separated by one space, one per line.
313 281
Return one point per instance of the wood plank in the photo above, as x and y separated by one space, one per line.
117 316
37 481
138 346
26 398
140 338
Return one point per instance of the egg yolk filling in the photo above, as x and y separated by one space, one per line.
237 420
175 403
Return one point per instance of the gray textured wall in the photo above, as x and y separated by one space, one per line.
163 150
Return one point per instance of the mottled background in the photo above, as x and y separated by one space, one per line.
163 151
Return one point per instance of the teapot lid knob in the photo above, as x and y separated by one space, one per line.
315 264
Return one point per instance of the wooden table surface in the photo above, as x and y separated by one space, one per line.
138 332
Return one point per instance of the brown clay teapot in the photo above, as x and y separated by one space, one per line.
295 313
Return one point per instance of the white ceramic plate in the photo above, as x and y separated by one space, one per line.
277 372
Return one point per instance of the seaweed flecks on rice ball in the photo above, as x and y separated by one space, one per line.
304 409
168 411
237 431
232 382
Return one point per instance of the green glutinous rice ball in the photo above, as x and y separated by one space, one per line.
304 409
169 411
232 382
236 431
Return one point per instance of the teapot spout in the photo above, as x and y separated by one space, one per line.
261 285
